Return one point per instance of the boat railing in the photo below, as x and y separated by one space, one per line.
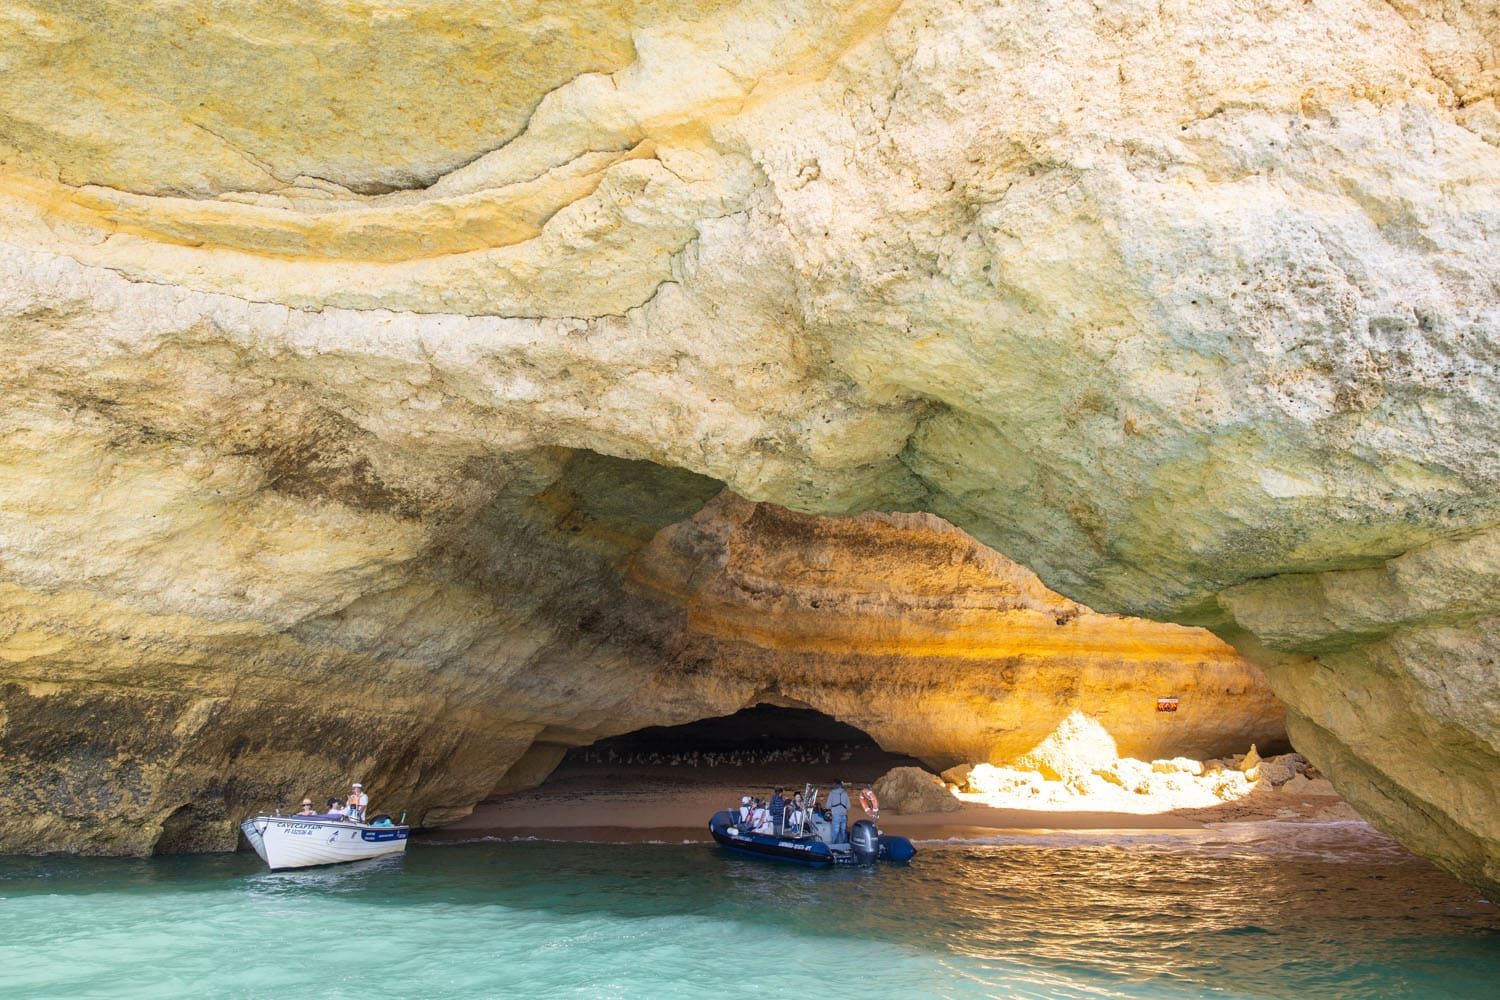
323 821
803 827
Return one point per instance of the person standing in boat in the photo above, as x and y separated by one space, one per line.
796 816
837 805
358 801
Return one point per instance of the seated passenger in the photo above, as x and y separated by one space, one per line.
307 808
335 810
746 807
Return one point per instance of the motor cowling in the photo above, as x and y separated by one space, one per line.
897 849
864 840
723 820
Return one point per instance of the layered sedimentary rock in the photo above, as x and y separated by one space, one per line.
563 608
934 644
1189 307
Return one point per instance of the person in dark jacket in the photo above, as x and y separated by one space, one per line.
778 808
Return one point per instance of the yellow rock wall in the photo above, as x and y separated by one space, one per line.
934 644
1188 306
443 662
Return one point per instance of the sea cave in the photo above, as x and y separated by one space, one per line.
1076 414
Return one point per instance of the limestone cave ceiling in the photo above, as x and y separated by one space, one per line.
1190 307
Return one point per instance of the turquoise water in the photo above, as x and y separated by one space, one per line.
1262 912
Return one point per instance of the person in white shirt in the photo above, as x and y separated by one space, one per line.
358 800
760 820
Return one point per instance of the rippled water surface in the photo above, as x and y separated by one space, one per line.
1269 911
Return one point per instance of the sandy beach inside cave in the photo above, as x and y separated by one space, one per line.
673 804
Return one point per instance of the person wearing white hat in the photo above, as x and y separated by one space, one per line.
358 800
746 808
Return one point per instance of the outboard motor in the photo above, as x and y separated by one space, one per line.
865 841
722 821
897 849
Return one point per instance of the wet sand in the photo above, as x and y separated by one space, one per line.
657 803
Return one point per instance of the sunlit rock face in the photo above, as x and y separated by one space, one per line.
454 648
934 644
1190 307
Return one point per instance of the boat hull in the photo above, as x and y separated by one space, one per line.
285 842
810 853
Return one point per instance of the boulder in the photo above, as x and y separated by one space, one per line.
1250 762
1132 775
1230 785
908 790
1273 773
958 776
989 779
1280 769
1078 746
1179 765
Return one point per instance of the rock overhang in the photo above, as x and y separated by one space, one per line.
1189 308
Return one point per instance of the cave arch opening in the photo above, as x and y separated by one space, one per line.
762 738
674 777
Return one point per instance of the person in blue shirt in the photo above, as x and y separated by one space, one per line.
778 808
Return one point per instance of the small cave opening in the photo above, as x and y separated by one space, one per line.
757 744
191 829
673 778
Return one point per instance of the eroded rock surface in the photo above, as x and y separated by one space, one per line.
1189 306
562 608
933 644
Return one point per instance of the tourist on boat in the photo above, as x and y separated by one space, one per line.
796 813
307 808
778 808
335 810
760 819
837 804
358 801
746 807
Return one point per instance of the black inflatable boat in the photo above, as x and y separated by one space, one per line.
811 846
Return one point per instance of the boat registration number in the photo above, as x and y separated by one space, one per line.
382 835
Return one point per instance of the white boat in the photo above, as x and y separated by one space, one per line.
303 841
